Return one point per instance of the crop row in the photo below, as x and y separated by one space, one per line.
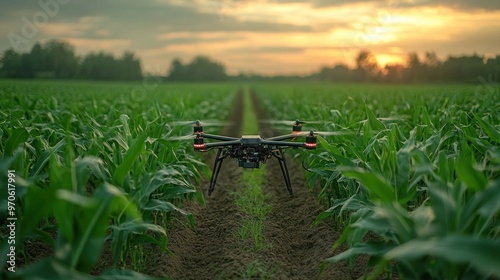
94 168
412 173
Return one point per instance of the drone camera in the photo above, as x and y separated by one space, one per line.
199 143
249 164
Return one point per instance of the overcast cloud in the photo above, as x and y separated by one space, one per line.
269 36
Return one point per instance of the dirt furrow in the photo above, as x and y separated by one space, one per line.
298 248
294 249
211 251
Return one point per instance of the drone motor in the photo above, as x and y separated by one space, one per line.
197 127
297 127
311 141
199 143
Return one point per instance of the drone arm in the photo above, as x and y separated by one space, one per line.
219 137
222 144
284 137
283 144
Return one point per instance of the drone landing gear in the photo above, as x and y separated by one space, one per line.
284 169
215 172
223 154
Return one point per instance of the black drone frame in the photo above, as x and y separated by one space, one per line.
251 150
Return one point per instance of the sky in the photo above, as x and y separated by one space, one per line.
259 36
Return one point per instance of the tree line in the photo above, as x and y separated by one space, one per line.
418 69
56 59
201 68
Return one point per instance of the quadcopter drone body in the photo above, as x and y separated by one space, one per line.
251 150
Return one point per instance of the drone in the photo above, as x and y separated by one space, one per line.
252 150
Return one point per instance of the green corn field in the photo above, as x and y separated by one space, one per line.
410 174
93 164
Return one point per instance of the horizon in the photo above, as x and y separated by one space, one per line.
267 37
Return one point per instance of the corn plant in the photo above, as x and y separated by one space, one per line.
412 176
93 165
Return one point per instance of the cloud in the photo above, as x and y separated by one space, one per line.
83 26
183 38
465 5
264 35
88 45
267 49
154 16
140 22
454 4
465 41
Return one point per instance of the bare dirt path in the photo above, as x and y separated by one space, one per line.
298 248
211 251
214 251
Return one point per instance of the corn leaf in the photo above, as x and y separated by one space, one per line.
18 136
473 178
376 185
131 155
489 129
482 254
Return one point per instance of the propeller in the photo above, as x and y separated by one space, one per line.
295 122
325 133
200 123
182 138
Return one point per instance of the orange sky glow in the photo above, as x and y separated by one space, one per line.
266 36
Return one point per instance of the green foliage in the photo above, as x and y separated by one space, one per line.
250 122
56 59
412 174
94 164
253 206
471 68
257 270
200 69
252 202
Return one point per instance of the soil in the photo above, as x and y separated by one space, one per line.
294 248
213 250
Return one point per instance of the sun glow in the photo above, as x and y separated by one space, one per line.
290 37
389 59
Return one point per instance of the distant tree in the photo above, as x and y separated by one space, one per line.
99 66
11 64
394 73
57 59
461 69
432 60
367 68
129 67
432 66
339 73
464 68
36 61
415 69
493 69
201 68
177 71
104 66
60 59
